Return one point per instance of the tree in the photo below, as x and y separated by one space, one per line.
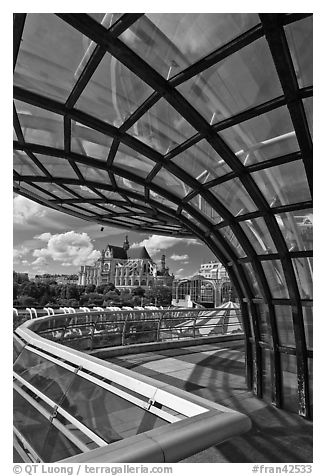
90 288
139 291
161 295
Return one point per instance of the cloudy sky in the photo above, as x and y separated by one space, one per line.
48 241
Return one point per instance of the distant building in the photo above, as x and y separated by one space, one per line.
210 287
126 269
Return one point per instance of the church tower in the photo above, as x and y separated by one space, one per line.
126 244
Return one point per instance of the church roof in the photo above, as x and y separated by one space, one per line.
118 252
138 253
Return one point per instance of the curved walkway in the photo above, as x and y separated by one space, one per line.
216 372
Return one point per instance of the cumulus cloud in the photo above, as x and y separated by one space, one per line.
175 257
26 210
69 249
156 243
19 253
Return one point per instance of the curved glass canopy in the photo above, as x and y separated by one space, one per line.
185 125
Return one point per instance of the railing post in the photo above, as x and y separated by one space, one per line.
159 327
194 326
123 336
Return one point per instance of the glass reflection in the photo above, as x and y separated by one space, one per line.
232 240
284 184
308 106
40 126
258 235
49 56
56 166
243 80
234 197
170 42
275 278
23 165
48 442
132 161
299 36
303 271
162 127
308 325
111 417
200 204
171 183
202 162
253 280
113 92
261 138
49 378
87 141
284 323
297 229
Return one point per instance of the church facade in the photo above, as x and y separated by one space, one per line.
125 268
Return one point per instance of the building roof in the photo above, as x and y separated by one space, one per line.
138 253
118 252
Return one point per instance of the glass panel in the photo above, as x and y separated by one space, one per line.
23 165
170 42
202 162
171 183
129 185
275 278
49 56
308 107
113 92
308 325
30 423
289 382
108 415
243 80
263 316
232 240
56 166
49 378
258 235
284 184
30 188
93 174
299 36
284 323
303 272
162 127
310 372
17 348
87 141
45 439
200 204
14 135
234 197
40 126
253 280
106 19
164 201
128 159
266 374
57 446
297 229
264 137
60 192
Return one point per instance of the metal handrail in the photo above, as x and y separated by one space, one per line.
202 424
99 329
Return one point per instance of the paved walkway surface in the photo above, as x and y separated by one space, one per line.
216 372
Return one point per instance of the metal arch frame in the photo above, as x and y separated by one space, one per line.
272 28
